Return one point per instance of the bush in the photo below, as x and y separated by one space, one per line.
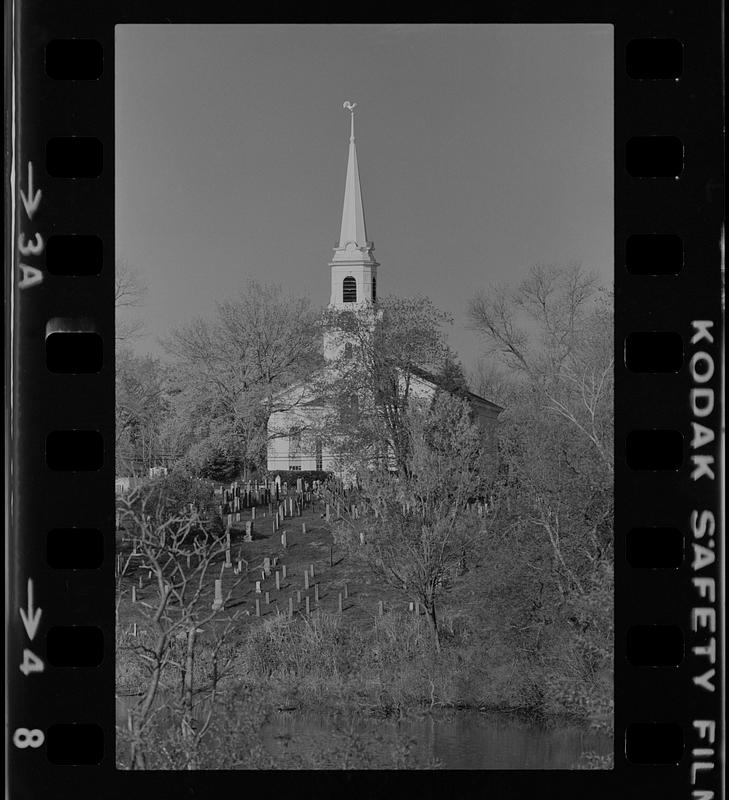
169 496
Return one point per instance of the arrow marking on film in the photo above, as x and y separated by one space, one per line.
31 619
31 201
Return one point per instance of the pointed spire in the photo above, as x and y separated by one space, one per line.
353 221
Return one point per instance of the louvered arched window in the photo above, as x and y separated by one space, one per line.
349 290
374 288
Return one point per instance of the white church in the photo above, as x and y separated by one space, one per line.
293 444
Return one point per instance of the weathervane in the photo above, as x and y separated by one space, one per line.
350 107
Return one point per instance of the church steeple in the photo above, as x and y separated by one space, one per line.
353 267
353 221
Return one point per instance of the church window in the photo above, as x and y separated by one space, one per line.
374 288
349 290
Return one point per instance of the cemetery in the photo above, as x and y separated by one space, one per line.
287 610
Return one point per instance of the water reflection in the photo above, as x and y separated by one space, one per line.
458 740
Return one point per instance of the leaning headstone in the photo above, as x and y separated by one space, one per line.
316 592
268 598
306 580
303 527
308 607
267 566
258 587
278 581
311 570
134 594
228 562
258 607
346 591
253 512
283 571
291 607
284 542
298 597
249 532
140 581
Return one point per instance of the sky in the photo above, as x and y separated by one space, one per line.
483 150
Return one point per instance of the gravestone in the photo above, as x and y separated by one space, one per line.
218 601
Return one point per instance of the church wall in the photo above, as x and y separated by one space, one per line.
305 419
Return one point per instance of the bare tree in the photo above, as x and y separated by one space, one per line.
142 409
181 552
129 292
416 527
384 352
230 370
554 333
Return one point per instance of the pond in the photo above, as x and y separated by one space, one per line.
449 740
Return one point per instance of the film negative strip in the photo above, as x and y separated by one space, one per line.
63 602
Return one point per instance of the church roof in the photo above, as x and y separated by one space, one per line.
472 396
307 399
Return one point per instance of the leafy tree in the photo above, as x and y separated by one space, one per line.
452 377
